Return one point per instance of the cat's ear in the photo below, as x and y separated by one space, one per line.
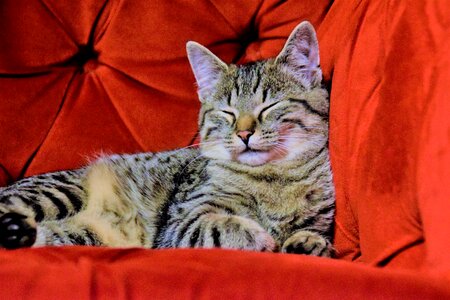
300 55
207 68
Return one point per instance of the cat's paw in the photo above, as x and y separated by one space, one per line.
16 231
307 242
234 232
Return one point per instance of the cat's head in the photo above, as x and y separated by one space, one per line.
265 112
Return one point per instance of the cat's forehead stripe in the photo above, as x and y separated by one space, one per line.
257 80
248 82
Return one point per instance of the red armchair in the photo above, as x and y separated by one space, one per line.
81 78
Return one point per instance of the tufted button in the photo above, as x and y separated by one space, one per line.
85 58
90 65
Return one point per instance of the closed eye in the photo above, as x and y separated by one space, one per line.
230 114
260 115
297 122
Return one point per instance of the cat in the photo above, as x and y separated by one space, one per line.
260 179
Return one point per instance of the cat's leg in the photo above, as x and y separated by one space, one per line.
52 196
312 233
209 227
308 242
58 233
227 231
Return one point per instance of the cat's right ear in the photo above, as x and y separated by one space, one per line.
207 68
300 55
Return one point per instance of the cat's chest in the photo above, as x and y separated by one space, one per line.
275 199
278 201
277 205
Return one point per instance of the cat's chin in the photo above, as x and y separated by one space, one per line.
254 158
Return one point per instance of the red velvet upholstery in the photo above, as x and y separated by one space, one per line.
81 78
80 273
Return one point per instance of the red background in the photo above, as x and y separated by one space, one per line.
81 78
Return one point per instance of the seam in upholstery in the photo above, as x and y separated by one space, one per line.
63 100
96 38
354 217
59 21
100 83
254 19
354 220
346 233
390 253
224 18
280 24
133 78
25 75
92 35
356 249
8 175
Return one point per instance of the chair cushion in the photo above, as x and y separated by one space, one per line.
86 273
85 78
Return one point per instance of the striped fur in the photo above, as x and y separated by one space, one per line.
260 180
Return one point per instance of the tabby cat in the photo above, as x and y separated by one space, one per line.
260 179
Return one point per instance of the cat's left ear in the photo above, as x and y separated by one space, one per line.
207 68
300 55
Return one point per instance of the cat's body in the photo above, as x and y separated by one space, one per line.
261 179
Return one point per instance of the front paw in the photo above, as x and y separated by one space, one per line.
16 232
307 242
235 232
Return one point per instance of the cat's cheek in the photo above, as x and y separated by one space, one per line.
216 152
277 155
286 129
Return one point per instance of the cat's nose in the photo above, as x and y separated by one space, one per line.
245 135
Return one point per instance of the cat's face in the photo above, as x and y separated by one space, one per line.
266 112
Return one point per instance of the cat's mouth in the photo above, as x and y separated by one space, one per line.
254 157
249 150
257 157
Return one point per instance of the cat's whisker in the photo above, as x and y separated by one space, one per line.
190 146
192 161
306 141
312 127
201 143
294 137
280 149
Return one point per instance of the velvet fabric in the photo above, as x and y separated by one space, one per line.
80 79
80 273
